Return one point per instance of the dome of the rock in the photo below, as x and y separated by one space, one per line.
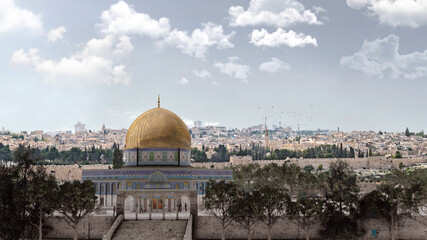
158 137
158 128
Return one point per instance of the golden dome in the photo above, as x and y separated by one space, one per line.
158 128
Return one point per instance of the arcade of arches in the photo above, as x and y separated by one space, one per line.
157 176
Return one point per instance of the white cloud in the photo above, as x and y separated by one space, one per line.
123 19
406 13
14 18
261 38
279 13
22 58
123 48
233 69
198 43
318 10
202 73
94 64
273 66
380 57
55 34
182 81
102 60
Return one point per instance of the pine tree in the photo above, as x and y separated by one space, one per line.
117 158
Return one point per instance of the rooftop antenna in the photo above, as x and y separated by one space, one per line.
158 100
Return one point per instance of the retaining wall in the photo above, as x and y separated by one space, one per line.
209 228
99 226
356 163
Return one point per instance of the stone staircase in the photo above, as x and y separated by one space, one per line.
151 230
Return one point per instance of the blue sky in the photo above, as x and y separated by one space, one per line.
355 64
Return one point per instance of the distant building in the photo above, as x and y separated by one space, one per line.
79 127
37 133
197 123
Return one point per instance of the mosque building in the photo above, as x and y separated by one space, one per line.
157 175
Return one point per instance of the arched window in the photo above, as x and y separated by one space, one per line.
107 188
95 185
113 188
129 185
102 188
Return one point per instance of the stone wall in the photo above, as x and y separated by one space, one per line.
241 160
72 172
99 226
209 228
356 163
411 229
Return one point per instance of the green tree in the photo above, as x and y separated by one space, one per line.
218 201
306 211
340 192
246 209
5 153
246 176
74 155
198 156
320 167
15 182
10 227
76 200
43 198
117 158
222 151
25 158
401 196
309 168
273 205
407 133
269 187
289 179
397 155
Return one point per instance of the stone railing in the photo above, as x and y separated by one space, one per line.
189 229
113 228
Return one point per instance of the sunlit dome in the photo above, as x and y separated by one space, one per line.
158 128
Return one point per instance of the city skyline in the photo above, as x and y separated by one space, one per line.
357 65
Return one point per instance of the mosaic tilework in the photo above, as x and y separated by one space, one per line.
157 156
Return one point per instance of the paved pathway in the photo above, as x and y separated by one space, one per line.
151 230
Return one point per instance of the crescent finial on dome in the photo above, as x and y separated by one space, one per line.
158 100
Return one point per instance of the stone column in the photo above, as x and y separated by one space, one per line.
120 200
176 209
163 208
137 207
150 205
193 208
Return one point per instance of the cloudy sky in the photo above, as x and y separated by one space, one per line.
354 64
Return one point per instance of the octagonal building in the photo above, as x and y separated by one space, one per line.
157 175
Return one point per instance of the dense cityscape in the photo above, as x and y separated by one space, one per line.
209 138
208 120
